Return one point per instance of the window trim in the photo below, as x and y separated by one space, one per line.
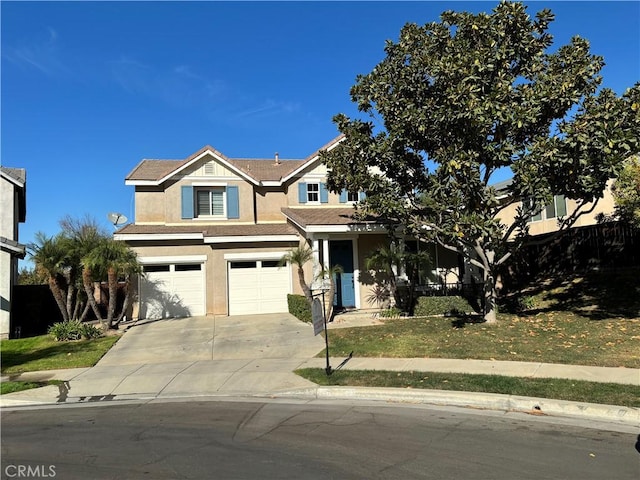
210 190
542 216
315 192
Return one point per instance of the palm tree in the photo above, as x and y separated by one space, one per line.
50 256
114 258
330 273
384 259
86 235
299 256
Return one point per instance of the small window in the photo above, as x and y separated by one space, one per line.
188 267
235 265
156 268
352 196
556 209
313 192
210 202
270 263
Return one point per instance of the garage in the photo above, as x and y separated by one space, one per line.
169 290
257 286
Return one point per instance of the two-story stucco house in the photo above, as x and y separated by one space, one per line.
13 194
210 230
546 221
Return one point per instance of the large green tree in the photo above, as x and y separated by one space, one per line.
626 191
457 101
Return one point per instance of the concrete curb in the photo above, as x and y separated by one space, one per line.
486 401
481 401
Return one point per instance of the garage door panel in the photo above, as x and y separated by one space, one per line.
172 291
258 287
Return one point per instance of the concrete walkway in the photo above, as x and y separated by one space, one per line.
256 355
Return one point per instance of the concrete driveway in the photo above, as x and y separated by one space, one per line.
252 354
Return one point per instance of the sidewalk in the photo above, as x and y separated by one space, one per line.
274 378
255 358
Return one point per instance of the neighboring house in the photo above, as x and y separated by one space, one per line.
546 221
13 192
210 230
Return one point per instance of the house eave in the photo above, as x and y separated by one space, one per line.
219 158
128 237
356 228
252 238
312 159
14 248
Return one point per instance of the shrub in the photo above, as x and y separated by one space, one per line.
391 312
428 306
518 303
90 331
67 331
299 307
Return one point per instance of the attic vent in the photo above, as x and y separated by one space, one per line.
209 168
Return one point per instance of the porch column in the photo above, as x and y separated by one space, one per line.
325 252
356 273
316 257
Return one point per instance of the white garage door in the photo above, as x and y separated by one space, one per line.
258 286
172 290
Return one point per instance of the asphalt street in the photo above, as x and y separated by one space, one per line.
243 438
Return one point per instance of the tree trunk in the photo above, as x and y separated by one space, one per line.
331 293
85 311
303 284
112 279
490 296
71 291
87 282
125 304
76 307
58 295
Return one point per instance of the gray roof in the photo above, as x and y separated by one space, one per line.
305 216
18 174
231 230
258 169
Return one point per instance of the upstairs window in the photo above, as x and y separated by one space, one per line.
351 197
556 209
215 202
313 192
210 202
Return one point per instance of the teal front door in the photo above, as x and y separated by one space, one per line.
341 253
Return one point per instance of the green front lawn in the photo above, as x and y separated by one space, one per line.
44 353
560 389
550 337
11 387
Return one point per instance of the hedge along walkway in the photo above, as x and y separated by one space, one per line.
550 337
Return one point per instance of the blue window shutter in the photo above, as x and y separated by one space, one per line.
233 202
343 196
363 196
187 201
324 193
302 193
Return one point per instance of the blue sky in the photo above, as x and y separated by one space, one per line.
91 88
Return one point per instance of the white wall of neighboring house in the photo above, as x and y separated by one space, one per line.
11 250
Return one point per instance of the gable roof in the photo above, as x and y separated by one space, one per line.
259 171
17 176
